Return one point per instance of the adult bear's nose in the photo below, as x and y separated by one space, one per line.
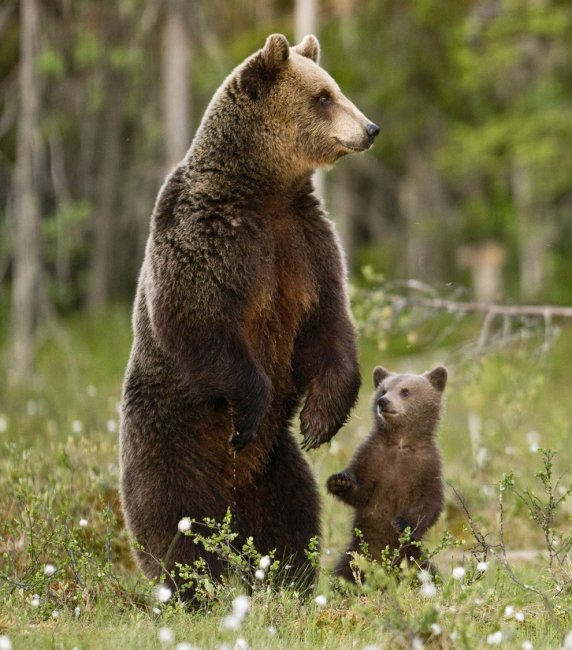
372 130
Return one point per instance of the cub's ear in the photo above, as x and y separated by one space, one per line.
379 374
309 47
437 378
260 70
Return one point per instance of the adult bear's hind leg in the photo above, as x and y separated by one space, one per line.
281 510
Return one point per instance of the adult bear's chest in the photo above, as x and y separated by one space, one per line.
284 294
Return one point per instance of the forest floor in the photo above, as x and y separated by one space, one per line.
67 579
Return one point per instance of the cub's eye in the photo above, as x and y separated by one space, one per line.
404 392
325 99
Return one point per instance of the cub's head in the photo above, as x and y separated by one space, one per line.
300 109
408 401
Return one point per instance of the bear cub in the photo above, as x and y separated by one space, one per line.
394 480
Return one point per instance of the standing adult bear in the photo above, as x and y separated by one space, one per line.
241 311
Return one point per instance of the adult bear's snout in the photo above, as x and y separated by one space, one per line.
372 131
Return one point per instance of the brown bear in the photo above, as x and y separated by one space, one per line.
394 479
241 316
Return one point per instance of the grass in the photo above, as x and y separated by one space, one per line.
59 465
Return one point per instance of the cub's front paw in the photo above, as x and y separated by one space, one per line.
340 482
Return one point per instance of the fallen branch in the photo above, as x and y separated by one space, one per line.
491 309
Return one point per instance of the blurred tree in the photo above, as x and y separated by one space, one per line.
509 150
27 278
109 168
176 82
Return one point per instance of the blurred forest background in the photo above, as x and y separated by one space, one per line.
469 183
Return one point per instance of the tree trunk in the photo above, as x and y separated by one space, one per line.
26 212
105 217
425 208
535 234
176 83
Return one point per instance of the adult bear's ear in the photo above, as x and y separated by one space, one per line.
276 51
379 374
261 69
437 378
309 47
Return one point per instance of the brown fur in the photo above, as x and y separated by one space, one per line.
241 311
394 478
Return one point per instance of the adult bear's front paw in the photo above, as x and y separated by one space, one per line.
316 425
249 410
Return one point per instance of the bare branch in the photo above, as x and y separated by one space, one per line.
547 312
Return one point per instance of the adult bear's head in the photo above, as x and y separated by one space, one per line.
291 108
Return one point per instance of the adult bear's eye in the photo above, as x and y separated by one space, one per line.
325 99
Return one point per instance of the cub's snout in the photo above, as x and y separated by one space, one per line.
383 403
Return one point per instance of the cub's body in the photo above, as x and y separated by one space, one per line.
394 480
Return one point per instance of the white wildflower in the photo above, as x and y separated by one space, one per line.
527 645
458 573
77 426
111 426
77 612
259 574
568 641
321 600
156 610
241 644
231 622
185 646
5 643
519 616
83 523
436 629
424 576
184 525
509 611
495 638
55 614
428 590
163 593
417 644
482 566
35 602
264 562
241 606
271 631
49 570
165 635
